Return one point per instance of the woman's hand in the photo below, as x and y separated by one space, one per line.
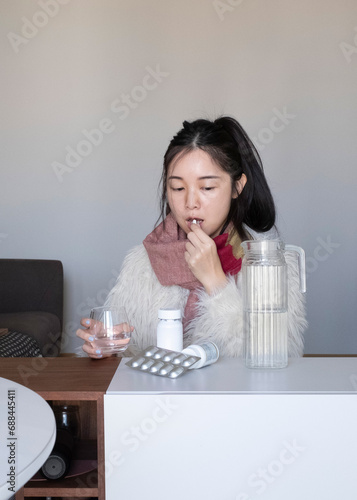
88 335
202 258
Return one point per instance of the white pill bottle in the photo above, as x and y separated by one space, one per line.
207 351
169 330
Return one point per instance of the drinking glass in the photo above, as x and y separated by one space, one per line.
111 329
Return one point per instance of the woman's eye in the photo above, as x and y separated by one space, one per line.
177 189
208 188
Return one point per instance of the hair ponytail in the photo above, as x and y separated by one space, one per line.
255 205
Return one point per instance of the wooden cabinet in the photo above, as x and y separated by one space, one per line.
67 380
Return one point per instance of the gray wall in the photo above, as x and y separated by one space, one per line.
136 69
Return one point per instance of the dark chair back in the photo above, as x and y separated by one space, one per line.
31 300
31 285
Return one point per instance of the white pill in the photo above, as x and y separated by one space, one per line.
151 350
176 372
189 361
137 362
159 354
157 366
179 359
169 356
166 369
147 364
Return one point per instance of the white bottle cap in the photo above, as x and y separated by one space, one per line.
169 314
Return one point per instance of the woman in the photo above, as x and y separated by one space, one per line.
214 196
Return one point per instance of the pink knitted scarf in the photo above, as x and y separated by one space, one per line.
166 250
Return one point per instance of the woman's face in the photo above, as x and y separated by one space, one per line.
197 188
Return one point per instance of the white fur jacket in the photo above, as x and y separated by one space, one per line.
219 318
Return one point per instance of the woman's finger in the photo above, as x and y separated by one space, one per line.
87 322
93 352
194 240
86 335
190 248
123 327
199 234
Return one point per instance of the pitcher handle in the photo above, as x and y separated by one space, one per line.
301 255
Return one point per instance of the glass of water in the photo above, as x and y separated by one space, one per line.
111 329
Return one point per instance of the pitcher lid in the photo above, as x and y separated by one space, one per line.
263 246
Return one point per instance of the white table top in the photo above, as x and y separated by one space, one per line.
33 439
229 375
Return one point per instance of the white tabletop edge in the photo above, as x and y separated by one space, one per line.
230 376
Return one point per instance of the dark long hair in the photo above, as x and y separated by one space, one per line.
230 148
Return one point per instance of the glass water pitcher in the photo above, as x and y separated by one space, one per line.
265 301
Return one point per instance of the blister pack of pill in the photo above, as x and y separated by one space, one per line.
162 362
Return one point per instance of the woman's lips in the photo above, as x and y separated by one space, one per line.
194 221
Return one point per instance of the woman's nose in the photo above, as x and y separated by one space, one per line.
192 200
